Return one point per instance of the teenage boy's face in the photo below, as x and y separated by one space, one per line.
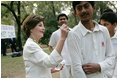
84 11
108 25
62 20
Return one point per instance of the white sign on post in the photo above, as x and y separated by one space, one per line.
7 31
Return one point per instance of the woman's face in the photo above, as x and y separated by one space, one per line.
38 31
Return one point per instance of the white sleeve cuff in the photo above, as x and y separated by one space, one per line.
56 56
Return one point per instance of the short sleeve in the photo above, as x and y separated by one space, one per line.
52 41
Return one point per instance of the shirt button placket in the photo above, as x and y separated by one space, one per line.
95 45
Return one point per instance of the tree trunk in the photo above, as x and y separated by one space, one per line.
19 28
53 8
10 8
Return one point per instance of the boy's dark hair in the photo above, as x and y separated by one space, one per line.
108 10
74 3
62 14
109 16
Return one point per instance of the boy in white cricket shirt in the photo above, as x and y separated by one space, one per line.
66 71
89 44
109 20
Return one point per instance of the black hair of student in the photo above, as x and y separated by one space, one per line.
110 17
108 10
62 14
74 3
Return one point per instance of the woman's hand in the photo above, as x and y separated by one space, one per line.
53 69
64 31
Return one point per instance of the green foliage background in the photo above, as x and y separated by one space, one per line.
50 10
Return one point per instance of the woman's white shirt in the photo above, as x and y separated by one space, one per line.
37 62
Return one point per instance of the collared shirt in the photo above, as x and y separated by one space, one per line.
87 46
113 72
37 62
114 43
53 41
59 26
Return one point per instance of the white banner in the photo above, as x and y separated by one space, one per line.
7 31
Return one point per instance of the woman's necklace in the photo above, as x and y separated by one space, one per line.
32 37
35 41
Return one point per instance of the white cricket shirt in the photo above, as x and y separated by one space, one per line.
87 46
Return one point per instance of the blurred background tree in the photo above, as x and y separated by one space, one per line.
14 8
14 13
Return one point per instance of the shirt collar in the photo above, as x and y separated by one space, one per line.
115 36
85 31
59 26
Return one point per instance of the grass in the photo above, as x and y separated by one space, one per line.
13 67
